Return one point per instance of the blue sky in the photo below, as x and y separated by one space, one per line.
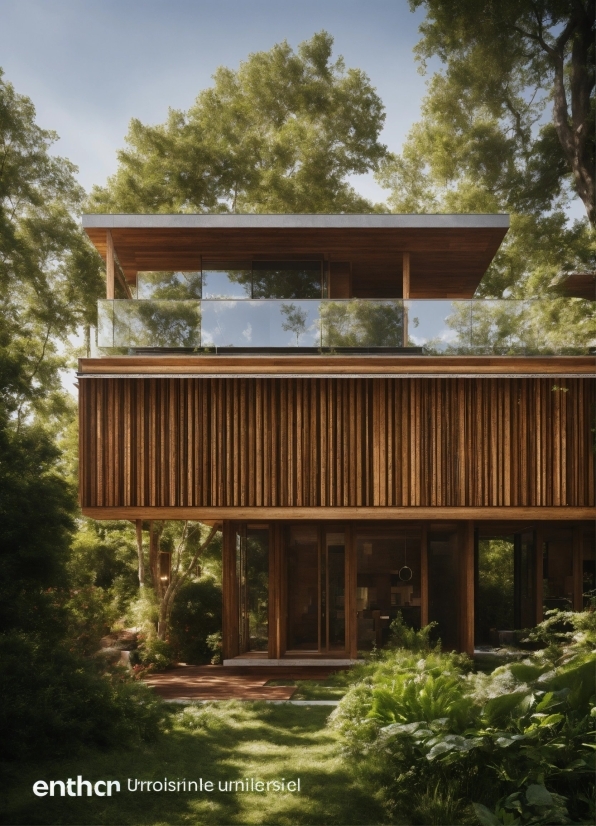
89 66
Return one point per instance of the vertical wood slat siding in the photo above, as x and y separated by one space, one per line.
324 442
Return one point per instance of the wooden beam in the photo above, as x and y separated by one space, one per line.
526 514
110 267
337 365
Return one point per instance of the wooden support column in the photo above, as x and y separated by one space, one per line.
578 573
350 598
538 571
405 292
110 267
466 570
274 646
406 275
229 592
424 576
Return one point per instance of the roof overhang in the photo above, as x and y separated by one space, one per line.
449 254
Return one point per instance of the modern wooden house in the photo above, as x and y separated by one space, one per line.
328 390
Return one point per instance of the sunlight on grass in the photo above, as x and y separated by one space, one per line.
218 742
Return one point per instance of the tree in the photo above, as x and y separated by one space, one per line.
49 273
280 134
482 145
183 544
512 59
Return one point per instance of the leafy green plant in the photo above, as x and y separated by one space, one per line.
518 741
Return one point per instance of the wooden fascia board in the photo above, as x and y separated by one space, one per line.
340 366
345 513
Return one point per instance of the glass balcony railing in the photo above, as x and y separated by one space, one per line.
474 327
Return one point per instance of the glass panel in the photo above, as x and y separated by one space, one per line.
443 588
388 582
257 588
170 286
439 326
557 558
525 580
588 568
260 324
334 600
495 594
362 323
287 279
302 577
105 323
157 324
226 283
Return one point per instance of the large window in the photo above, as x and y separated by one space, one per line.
388 582
252 567
235 281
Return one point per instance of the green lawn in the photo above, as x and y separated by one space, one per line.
332 688
219 742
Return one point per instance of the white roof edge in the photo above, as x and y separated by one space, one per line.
368 221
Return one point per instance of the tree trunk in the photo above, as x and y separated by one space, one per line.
139 527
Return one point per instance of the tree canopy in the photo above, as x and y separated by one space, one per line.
509 61
280 134
49 274
483 142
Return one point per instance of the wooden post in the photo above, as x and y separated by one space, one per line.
405 293
273 608
110 267
229 592
350 593
467 587
406 275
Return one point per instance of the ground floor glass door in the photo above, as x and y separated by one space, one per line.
315 573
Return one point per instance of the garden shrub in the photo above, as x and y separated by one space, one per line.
196 616
519 742
54 701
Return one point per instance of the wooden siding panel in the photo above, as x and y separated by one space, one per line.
336 442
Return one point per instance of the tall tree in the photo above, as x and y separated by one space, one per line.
514 58
49 274
280 134
483 143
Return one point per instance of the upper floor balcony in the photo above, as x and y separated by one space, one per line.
319 283
425 326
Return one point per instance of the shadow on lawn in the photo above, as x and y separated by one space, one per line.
225 742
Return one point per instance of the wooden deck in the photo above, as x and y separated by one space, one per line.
216 682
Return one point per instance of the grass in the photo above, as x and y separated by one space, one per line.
332 688
223 741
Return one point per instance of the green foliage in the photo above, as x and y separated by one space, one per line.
482 143
505 63
195 619
104 556
54 701
49 273
153 654
519 741
280 134
403 636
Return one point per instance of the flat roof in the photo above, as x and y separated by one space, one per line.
449 254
